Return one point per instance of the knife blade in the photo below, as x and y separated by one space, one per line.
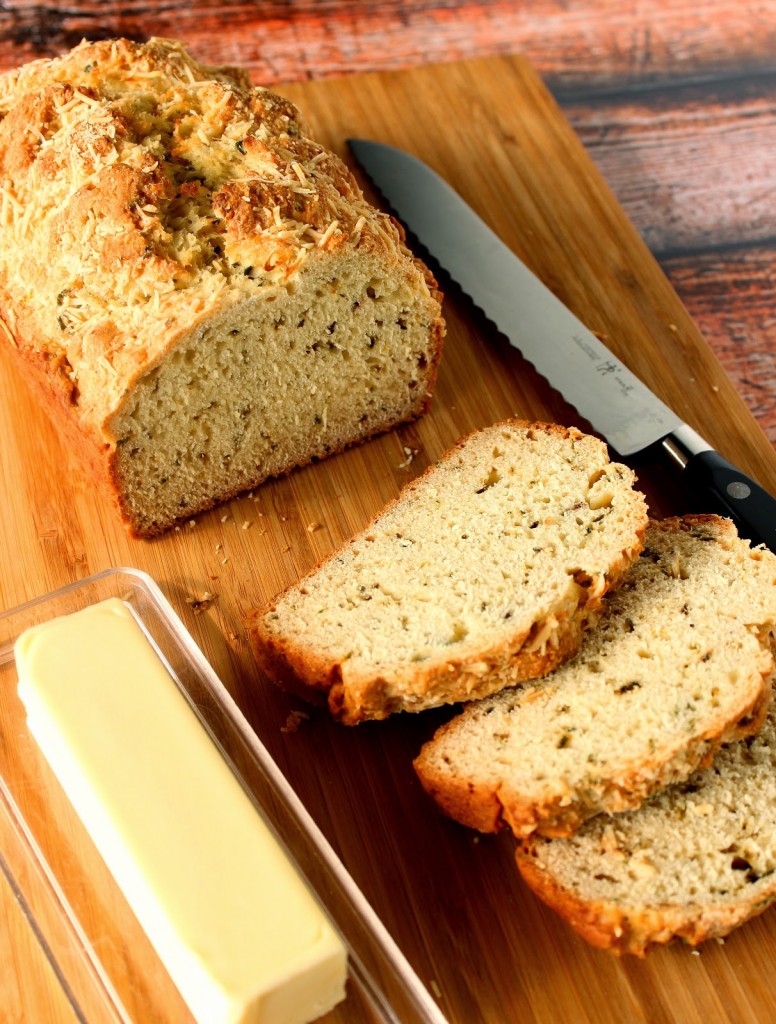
573 359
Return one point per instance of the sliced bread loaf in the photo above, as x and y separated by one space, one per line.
693 862
196 285
483 572
679 663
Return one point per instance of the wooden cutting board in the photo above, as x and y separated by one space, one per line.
486 948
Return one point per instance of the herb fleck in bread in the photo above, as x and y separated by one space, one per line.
694 862
196 282
679 663
483 572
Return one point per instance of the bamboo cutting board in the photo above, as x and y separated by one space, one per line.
485 947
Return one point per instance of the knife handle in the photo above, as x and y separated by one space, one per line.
751 508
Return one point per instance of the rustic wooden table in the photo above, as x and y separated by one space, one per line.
675 102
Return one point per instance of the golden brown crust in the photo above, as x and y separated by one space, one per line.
527 654
693 863
634 930
558 817
297 670
223 143
48 378
485 799
141 194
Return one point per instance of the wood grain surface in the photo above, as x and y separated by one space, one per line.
676 104
484 946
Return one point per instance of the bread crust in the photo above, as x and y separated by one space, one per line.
471 678
47 377
691 865
635 930
490 809
528 653
167 193
610 783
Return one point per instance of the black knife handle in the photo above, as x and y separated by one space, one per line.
751 508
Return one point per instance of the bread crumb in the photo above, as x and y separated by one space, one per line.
201 604
294 720
673 327
410 453
225 518
246 524
695 952
434 986
313 527
192 523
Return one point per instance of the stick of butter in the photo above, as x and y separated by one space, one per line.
240 934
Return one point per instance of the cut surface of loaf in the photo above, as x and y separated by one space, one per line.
484 571
194 281
694 862
679 662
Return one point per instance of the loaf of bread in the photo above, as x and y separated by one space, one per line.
195 282
694 862
679 663
483 572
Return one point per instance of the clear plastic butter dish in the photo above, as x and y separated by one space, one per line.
106 967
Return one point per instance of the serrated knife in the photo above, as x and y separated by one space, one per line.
575 361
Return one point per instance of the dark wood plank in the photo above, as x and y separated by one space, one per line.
731 295
582 42
693 168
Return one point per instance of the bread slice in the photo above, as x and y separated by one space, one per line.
196 286
692 863
483 572
679 663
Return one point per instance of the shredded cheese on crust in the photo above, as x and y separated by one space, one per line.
146 191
